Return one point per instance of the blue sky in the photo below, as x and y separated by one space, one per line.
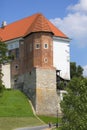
70 16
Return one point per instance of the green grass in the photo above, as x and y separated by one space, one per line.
14 103
53 120
11 123
15 111
47 119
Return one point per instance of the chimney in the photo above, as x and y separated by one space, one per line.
4 24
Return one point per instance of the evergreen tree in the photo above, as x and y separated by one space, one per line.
74 105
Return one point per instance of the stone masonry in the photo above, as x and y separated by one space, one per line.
40 87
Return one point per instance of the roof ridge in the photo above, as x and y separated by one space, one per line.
48 24
38 26
46 20
28 30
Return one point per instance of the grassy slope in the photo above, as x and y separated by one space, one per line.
15 111
13 103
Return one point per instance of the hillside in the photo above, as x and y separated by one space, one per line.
14 103
15 111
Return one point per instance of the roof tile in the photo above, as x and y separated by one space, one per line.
23 27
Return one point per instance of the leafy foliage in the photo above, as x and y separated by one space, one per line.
74 105
76 71
3 50
3 59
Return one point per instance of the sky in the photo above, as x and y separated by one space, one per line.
70 16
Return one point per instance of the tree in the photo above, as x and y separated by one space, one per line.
3 59
3 50
74 105
75 71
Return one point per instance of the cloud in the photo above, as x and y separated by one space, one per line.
81 6
75 23
85 71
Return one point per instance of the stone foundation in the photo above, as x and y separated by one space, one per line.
40 87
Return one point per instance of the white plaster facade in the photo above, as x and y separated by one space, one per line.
6 75
61 56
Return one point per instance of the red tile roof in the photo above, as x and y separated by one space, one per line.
23 27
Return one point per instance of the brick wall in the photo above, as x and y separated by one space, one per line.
34 57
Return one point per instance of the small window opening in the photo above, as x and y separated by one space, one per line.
38 46
45 45
45 60
15 80
16 66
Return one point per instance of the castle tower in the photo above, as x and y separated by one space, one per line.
39 73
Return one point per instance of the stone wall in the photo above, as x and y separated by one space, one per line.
40 87
46 98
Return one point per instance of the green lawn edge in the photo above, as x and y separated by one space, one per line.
16 111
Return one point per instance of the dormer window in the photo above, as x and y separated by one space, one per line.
46 46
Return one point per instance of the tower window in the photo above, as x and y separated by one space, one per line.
37 46
46 60
46 46
16 66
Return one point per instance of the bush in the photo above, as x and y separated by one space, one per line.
74 105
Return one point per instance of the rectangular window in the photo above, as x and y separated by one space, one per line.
46 46
37 46
17 52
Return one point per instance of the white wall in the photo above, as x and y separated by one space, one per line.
7 75
61 57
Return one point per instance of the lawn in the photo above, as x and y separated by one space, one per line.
10 123
48 119
14 103
15 111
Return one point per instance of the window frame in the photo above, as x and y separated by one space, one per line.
45 45
37 46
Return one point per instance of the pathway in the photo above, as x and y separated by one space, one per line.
43 127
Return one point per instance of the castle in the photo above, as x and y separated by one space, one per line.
39 52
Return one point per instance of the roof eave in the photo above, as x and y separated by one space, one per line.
62 38
37 32
13 39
